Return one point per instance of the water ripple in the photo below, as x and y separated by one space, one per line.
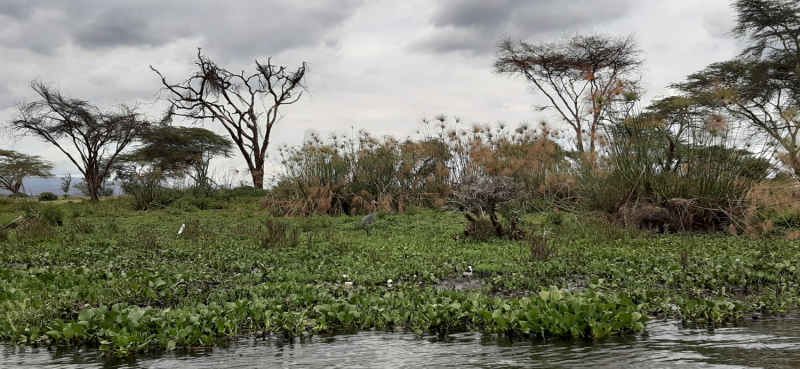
768 343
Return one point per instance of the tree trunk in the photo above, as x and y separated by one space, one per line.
94 188
258 178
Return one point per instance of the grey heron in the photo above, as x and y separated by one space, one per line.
370 218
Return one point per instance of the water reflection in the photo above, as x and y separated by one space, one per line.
766 343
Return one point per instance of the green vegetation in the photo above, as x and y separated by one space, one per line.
15 166
126 281
47 196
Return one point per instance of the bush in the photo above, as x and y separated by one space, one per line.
18 195
278 234
239 192
700 182
47 196
144 191
34 229
106 190
482 197
147 193
52 214
188 202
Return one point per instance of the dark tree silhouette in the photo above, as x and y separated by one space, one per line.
16 166
247 105
97 136
582 76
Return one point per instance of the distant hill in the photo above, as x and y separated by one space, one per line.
35 186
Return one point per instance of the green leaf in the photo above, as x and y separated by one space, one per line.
86 314
545 295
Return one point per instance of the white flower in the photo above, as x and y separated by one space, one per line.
344 276
183 226
389 281
348 284
737 260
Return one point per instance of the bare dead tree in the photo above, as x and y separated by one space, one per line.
247 105
582 76
68 123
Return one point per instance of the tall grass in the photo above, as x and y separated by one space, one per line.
699 168
343 174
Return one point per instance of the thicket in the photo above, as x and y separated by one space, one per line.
671 167
343 175
47 196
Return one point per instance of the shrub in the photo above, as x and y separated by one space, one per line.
656 179
238 192
34 228
106 189
144 190
47 196
191 202
83 226
276 234
482 197
543 244
52 214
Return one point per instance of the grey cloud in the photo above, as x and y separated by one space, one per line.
474 26
6 97
15 9
229 28
719 23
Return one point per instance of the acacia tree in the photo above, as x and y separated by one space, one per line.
762 85
247 105
98 136
16 166
183 150
582 76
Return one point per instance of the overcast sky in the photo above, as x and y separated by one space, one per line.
381 65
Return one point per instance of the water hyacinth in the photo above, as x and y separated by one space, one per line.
132 284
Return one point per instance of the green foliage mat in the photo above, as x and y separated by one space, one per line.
126 281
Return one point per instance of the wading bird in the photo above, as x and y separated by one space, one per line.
468 273
370 218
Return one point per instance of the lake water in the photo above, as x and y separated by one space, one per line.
765 343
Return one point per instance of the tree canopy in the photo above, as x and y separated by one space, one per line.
182 150
582 76
761 87
16 166
99 136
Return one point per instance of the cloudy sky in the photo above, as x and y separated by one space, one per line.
381 65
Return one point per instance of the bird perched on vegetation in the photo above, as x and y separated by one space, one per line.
468 273
370 218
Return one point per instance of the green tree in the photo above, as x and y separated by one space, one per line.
15 166
760 87
180 150
582 76
66 182
73 125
